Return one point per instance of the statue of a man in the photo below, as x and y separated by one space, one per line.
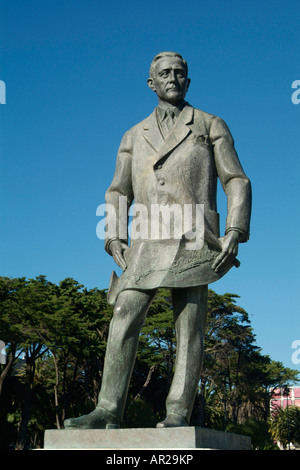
172 159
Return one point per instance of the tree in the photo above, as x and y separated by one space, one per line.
238 377
63 326
23 311
9 333
86 317
61 331
259 432
285 425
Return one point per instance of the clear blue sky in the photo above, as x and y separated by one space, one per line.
75 74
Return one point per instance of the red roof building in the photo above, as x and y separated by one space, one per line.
281 398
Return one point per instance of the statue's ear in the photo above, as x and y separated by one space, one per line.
151 84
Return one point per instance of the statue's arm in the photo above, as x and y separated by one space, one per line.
237 188
120 196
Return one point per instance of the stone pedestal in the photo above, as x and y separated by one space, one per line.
145 438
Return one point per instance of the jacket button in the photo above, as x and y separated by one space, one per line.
162 182
159 167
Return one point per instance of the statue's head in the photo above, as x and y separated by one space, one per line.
169 77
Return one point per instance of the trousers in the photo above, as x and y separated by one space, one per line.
190 311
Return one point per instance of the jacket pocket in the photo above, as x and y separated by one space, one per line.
198 138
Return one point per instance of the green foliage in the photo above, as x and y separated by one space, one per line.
285 425
259 432
60 332
140 415
240 376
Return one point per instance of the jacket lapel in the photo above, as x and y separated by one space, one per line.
180 130
152 133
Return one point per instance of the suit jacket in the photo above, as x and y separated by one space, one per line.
182 169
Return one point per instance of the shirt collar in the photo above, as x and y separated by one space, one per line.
161 110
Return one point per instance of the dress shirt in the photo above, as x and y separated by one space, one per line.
164 119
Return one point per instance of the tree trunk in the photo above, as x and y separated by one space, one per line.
198 414
22 441
56 392
5 370
151 370
202 402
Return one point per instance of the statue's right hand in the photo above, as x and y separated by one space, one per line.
117 249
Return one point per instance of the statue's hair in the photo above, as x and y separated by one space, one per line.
166 54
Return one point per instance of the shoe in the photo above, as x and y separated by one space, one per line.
173 421
97 419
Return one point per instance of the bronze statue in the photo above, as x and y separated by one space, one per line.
172 159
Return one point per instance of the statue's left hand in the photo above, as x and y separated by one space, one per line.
230 244
117 249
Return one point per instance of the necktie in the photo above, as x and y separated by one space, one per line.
168 122
170 118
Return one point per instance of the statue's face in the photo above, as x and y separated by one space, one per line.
170 82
